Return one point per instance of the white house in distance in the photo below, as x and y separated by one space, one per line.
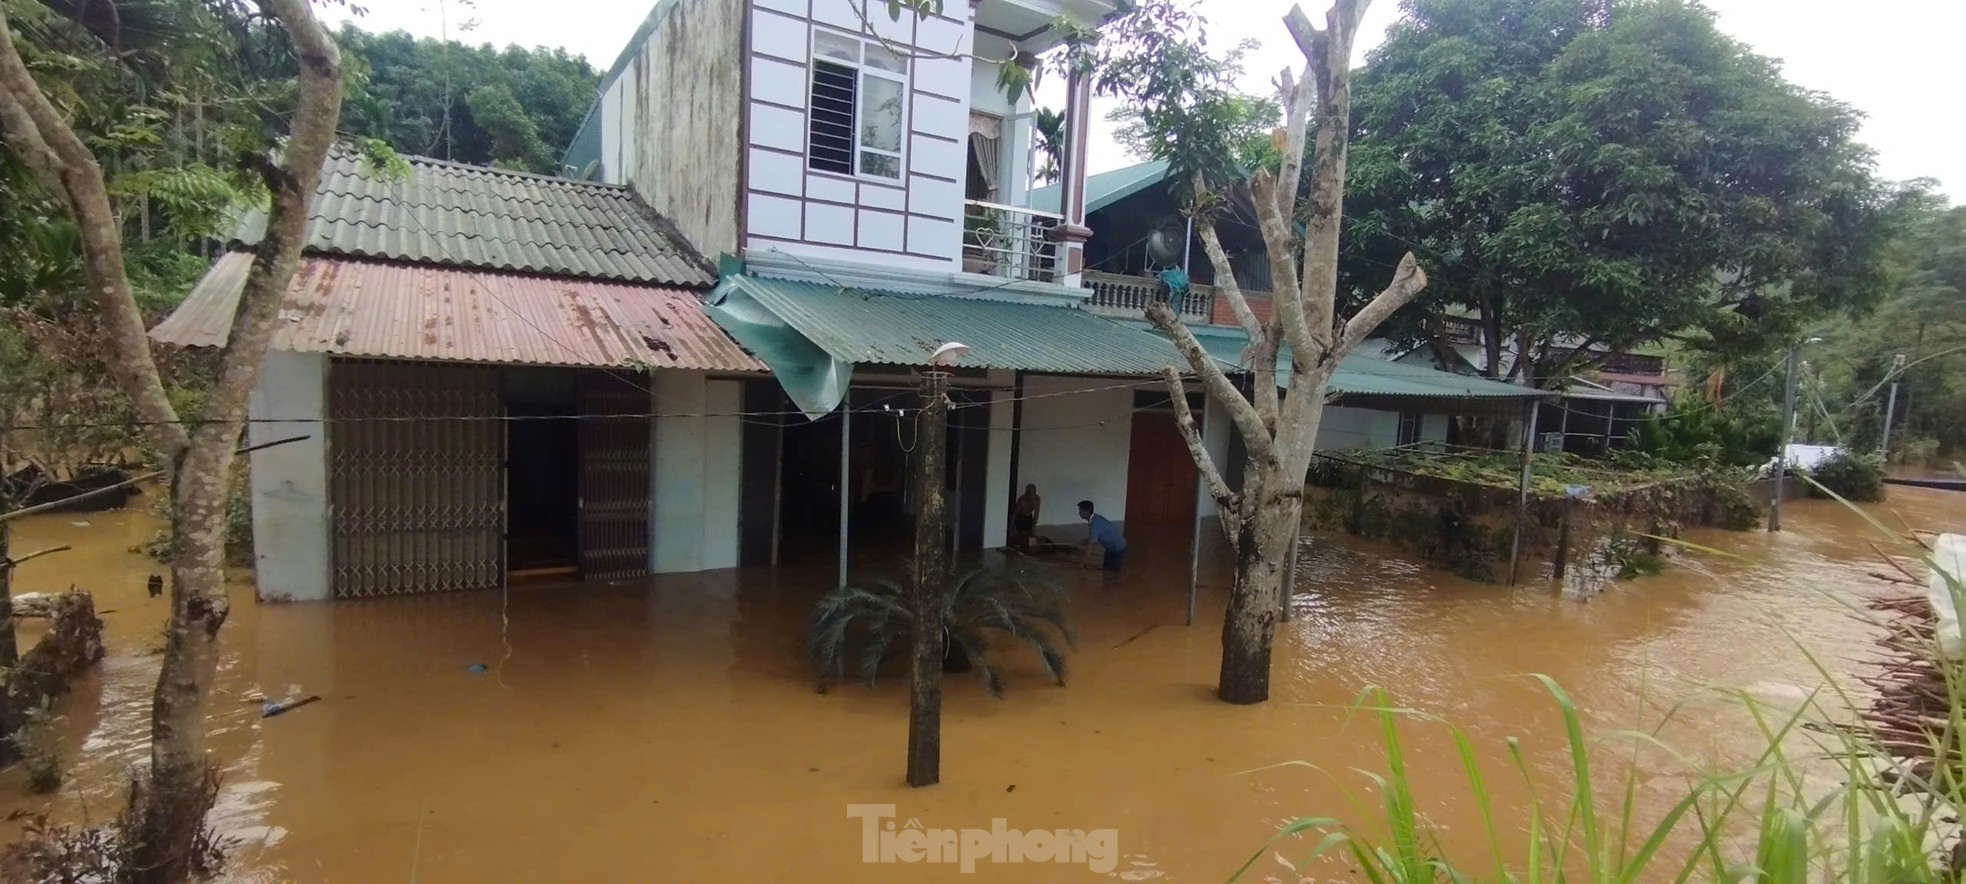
692 351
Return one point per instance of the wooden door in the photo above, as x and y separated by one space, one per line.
1160 476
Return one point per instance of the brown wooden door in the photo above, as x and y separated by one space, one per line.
614 476
1160 476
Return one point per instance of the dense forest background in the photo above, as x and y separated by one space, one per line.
165 89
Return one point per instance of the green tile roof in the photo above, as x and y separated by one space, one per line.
1361 375
858 326
470 216
1105 188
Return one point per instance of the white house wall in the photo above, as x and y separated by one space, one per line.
670 121
290 482
1074 443
697 467
913 222
1348 428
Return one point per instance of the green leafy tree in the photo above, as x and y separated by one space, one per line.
1922 317
508 107
1593 173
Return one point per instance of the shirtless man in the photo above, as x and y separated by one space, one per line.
1024 520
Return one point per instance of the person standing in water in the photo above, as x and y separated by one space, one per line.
1024 520
1101 532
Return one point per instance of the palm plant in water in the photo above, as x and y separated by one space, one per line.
862 626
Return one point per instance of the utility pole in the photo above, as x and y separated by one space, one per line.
931 571
1788 436
1891 407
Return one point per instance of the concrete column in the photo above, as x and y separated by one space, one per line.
1072 233
697 465
997 492
289 483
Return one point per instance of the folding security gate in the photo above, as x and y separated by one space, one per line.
614 475
415 477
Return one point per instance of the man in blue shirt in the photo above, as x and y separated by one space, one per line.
1101 531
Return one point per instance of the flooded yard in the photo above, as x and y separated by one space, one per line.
668 730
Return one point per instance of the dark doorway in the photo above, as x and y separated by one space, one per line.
542 475
880 494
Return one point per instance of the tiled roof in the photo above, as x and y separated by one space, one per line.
363 308
470 216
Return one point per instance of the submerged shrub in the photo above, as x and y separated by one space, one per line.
1850 476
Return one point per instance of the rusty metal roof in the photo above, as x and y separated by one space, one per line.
348 307
473 216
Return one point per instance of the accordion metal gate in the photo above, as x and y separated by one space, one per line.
614 476
416 478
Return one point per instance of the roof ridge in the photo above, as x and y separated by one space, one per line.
496 172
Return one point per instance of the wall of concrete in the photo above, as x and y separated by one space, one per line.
1433 427
670 122
289 484
1347 428
1075 441
914 220
1216 428
697 466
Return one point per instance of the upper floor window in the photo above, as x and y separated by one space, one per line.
859 90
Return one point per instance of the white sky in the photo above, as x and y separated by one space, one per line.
1895 60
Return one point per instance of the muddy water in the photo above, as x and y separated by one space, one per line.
669 731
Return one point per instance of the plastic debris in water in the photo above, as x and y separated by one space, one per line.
476 668
268 710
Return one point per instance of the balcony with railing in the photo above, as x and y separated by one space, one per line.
1130 295
1009 241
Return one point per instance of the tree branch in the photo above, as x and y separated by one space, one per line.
1225 282
291 184
1407 282
1255 435
1288 299
81 184
1184 419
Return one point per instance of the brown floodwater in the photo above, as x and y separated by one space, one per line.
668 730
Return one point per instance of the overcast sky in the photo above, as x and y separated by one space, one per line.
1895 60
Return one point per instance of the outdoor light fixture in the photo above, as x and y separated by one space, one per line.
948 354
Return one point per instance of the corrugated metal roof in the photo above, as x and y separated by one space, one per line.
1105 188
418 311
858 326
1363 375
472 216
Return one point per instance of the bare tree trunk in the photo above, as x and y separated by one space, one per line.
1256 597
1261 520
168 809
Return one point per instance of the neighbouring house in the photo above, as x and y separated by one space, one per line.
1380 396
443 330
505 376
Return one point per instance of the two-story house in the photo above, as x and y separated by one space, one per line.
866 179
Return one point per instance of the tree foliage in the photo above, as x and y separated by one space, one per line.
1922 316
1607 173
510 107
